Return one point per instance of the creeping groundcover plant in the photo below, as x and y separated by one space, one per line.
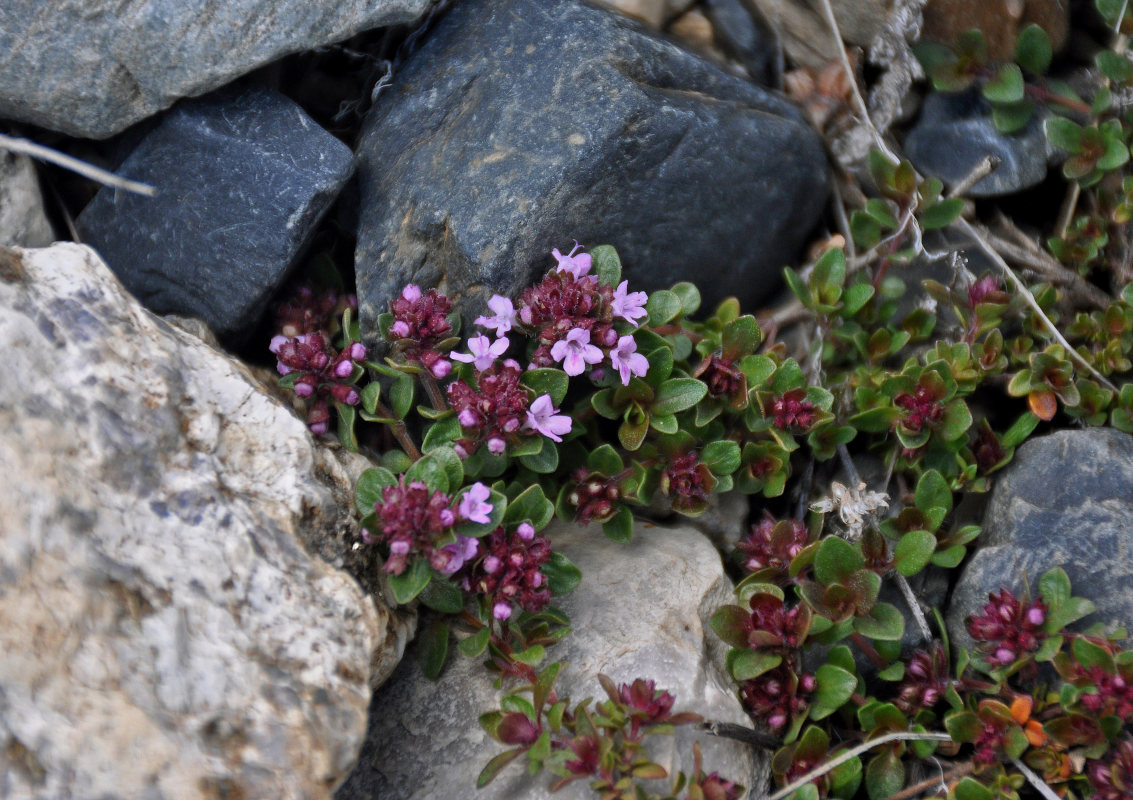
585 400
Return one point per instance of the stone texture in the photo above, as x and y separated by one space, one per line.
1065 501
92 68
641 610
955 133
508 134
242 179
741 32
166 634
23 221
652 12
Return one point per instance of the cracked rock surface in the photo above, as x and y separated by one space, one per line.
641 611
166 632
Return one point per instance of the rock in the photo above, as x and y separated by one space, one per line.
1000 21
166 632
1065 501
242 179
652 12
92 68
509 134
955 133
23 221
641 611
806 37
741 33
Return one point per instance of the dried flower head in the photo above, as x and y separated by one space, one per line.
853 506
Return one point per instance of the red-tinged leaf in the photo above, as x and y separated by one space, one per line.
516 728
1043 404
493 767
730 623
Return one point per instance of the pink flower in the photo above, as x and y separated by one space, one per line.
504 317
575 351
472 505
543 417
578 266
629 306
482 352
627 361
451 557
411 292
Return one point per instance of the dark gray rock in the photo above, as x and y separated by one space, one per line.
741 32
94 67
523 124
1065 501
955 132
641 611
242 179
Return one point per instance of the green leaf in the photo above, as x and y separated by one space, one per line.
546 380
730 624
440 433
562 575
368 491
689 296
1063 134
607 265
799 287
836 560
450 462
1114 66
604 459
666 423
1007 86
678 394
632 433
855 297
440 595
747 664
531 505
532 656
1054 587
942 214
545 462
434 649
396 461
914 552
1071 611
663 306
410 583
879 210
758 369
834 687
884 775
371 395
933 497
884 623
429 471
493 767
346 417
723 458
971 789
957 419
401 395
1020 430
543 685
620 527
477 643
949 557
1033 50
740 337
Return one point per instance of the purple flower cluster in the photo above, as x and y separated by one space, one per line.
645 704
926 680
1008 629
498 410
772 544
1113 695
572 317
321 372
508 574
773 626
419 325
1112 778
688 482
921 408
776 696
594 496
723 377
306 312
415 521
792 411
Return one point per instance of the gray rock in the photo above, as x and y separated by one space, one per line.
242 179
92 68
23 221
741 32
955 132
166 633
1065 501
522 124
640 611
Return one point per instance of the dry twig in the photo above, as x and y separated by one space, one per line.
97 174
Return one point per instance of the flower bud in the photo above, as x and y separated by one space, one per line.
526 531
441 368
468 418
501 610
399 329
